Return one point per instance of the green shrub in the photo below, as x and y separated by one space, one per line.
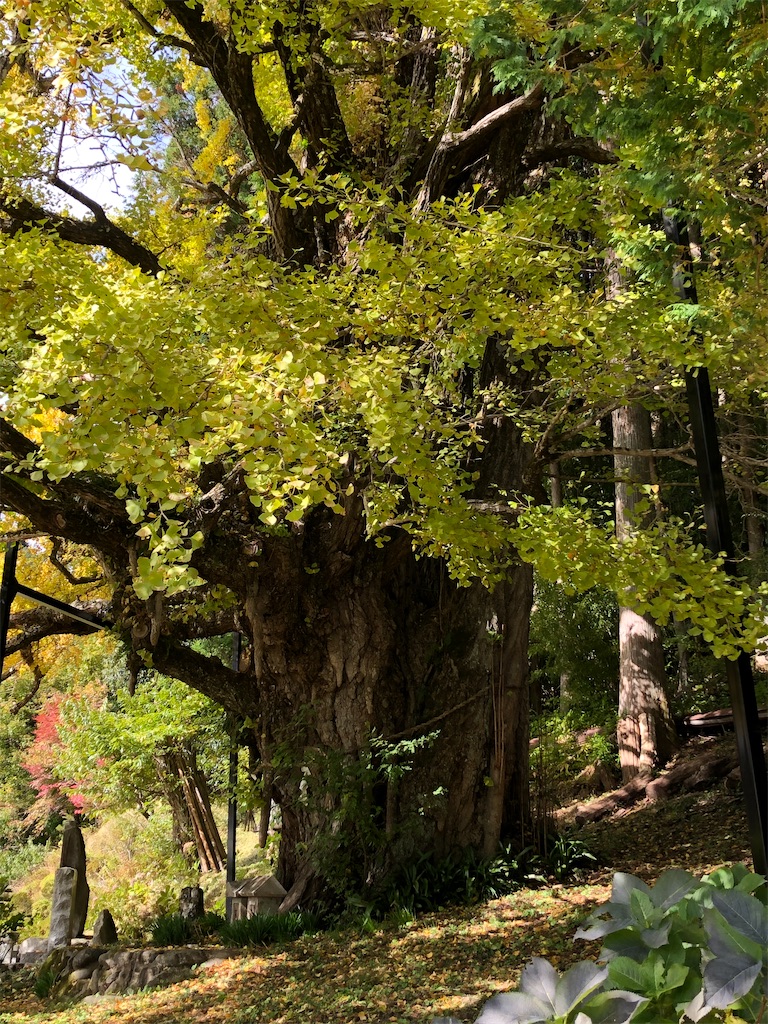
11 919
681 950
424 884
568 855
208 925
18 860
170 930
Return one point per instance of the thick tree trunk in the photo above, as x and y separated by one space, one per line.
393 648
359 652
646 732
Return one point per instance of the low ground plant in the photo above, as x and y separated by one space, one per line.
258 930
425 884
682 950
264 929
175 930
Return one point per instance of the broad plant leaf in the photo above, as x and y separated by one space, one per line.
746 915
725 940
655 938
540 980
644 911
728 978
626 942
628 973
577 984
613 1007
597 926
514 1008
624 885
675 976
672 886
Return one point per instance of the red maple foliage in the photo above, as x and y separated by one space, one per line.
55 797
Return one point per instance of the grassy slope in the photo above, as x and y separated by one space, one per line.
449 962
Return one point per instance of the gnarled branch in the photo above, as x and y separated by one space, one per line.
453 147
36 624
18 215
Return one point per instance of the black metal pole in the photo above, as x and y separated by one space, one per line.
232 802
7 594
741 683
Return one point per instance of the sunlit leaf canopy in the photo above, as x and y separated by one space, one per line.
317 384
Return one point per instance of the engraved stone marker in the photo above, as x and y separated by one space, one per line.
191 902
62 907
73 856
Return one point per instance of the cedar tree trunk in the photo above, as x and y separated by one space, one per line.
646 732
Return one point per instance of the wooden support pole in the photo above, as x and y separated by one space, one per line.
232 802
719 539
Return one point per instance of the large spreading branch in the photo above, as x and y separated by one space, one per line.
453 150
20 214
208 675
36 624
162 38
293 231
313 95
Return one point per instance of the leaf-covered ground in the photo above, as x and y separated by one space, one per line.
448 962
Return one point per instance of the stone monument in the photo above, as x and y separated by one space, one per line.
191 902
62 907
73 856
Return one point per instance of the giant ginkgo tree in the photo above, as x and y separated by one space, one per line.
307 380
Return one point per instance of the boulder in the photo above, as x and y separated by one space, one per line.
33 950
104 930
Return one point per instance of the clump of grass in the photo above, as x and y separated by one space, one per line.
170 930
175 930
263 929
44 982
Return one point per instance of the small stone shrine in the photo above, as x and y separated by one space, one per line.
261 895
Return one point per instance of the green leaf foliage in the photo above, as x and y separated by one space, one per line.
293 374
710 960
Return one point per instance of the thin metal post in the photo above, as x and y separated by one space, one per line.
741 683
7 594
232 801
